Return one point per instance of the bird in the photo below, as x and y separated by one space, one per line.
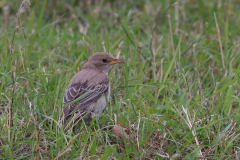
89 89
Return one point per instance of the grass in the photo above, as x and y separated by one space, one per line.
179 101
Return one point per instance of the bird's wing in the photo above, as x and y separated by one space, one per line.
93 93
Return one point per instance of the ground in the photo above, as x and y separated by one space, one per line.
176 97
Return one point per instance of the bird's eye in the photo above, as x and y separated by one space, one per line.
104 60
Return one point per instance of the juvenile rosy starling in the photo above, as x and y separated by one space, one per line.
91 87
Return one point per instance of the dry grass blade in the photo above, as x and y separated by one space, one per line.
67 148
24 4
87 45
220 42
151 43
189 124
37 143
151 48
38 148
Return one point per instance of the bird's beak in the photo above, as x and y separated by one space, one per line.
115 61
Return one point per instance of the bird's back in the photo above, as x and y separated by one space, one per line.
90 75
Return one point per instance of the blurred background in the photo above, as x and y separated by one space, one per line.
97 21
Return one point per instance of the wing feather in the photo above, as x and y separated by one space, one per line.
94 92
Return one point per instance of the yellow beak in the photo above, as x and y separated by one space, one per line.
115 61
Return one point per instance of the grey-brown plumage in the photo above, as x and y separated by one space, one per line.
92 84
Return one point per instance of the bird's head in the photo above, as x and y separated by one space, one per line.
102 61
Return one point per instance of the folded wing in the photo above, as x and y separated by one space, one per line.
89 94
